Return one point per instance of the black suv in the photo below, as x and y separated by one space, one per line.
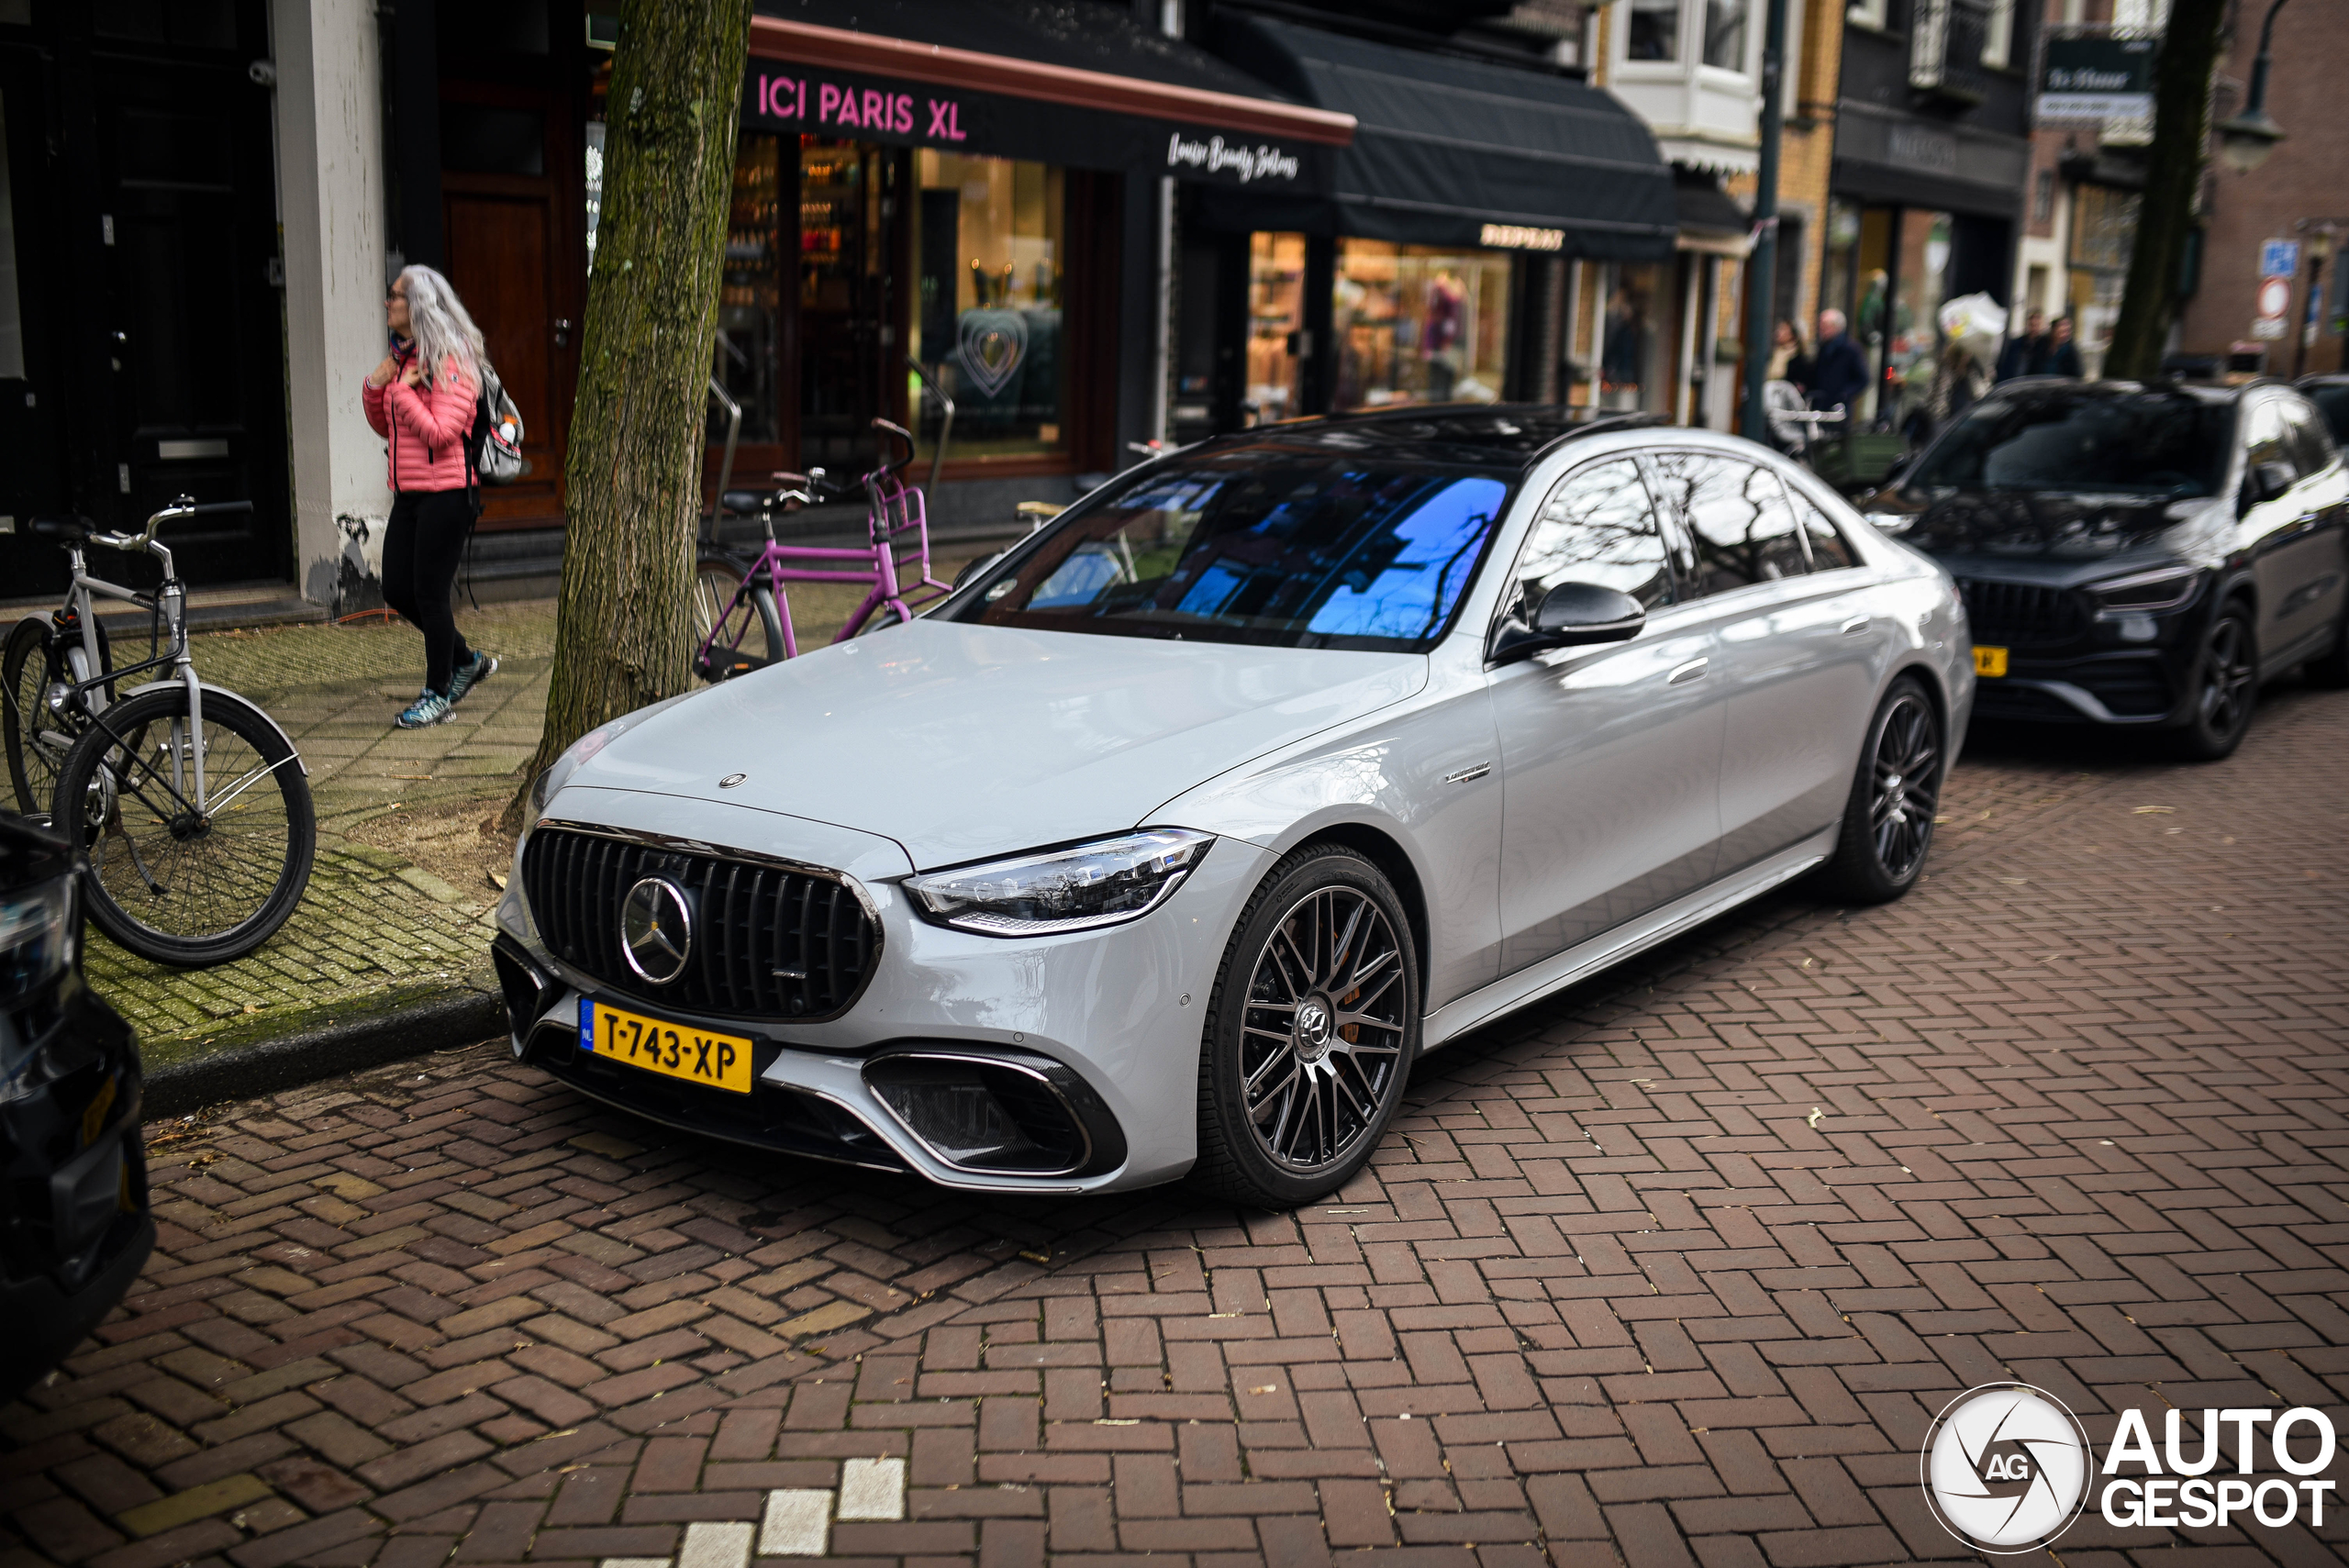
74 1225
2132 553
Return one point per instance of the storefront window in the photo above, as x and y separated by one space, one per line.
1725 34
749 295
1419 324
2104 224
12 326
1912 348
1655 29
1275 317
1631 342
989 250
844 296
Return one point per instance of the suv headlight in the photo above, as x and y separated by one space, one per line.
2163 588
1101 884
37 931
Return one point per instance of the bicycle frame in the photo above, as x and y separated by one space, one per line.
171 600
892 510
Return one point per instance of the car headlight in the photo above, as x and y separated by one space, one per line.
1100 884
37 931
2163 588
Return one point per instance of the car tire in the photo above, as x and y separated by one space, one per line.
2226 687
1888 821
1291 1105
2330 669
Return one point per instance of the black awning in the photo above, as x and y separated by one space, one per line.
1447 149
1703 208
1055 81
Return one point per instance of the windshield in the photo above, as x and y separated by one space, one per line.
1260 545
2144 443
2332 400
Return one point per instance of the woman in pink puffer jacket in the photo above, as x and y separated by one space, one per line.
421 400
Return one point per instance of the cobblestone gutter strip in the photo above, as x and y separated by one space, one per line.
408 1022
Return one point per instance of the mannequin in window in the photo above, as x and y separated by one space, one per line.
1447 303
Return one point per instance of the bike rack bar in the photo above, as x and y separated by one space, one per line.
726 464
945 430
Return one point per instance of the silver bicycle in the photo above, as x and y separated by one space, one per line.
192 805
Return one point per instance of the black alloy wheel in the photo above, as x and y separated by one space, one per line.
1311 1034
1888 821
2226 687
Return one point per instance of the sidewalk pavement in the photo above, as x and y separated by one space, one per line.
396 916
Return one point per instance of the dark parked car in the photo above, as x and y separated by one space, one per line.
74 1225
2137 554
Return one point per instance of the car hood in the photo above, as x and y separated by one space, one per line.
2043 524
963 741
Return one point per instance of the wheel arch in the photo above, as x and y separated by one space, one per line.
1383 851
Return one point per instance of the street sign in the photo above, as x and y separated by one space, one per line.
2097 77
2279 259
2275 297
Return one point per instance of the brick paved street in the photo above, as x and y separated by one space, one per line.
1673 1270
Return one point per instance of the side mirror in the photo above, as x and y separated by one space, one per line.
2265 482
1571 615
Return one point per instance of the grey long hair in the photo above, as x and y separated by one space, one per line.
437 323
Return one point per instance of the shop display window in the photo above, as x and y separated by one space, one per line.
990 251
1632 337
1419 324
844 295
750 292
1276 317
1912 331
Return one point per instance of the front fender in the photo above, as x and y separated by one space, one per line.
212 690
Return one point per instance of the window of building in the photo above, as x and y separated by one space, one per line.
990 253
1725 33
1655 29
749 292
1998 35
1276 317
2043 196
1419 324
1632 344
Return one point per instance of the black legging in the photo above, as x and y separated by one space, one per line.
421 546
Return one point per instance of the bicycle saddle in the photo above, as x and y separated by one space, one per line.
66 530
745 502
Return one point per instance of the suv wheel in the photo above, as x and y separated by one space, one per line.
2226 684
1311 1034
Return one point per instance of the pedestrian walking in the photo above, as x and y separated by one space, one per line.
422 399
1957 386
1789 359
1839 372
2062 354
2026 354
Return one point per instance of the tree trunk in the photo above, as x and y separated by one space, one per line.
632 478
2189 52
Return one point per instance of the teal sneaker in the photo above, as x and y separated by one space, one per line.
429 708
471 673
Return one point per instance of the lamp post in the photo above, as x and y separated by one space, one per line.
2245 141
1761 286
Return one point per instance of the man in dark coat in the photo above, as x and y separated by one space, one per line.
2027 353
2062 354
1839 372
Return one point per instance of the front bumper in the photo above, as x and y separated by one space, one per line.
2069 664
1100 1030
74 1223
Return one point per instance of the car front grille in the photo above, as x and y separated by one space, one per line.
2021 614
769 941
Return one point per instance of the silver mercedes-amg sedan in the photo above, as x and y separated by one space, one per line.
1168 843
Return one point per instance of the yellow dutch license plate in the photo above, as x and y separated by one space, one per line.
674 1050
1989 660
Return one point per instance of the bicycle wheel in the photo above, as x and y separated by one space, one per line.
169 883
36 736
743 641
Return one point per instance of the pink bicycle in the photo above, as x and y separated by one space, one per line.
742 614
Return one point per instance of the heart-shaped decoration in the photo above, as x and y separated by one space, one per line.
993 344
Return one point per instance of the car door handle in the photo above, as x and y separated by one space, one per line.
1855 626
1691 671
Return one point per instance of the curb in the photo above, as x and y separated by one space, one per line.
330 1050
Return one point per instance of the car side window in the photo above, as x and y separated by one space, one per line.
2310 440
1829 549
1598 526
2268 436
1736 516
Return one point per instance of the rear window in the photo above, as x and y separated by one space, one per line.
1300 550
2149 443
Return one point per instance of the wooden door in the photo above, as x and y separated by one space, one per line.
502 247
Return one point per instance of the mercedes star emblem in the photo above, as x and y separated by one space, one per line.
656 929
730 780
